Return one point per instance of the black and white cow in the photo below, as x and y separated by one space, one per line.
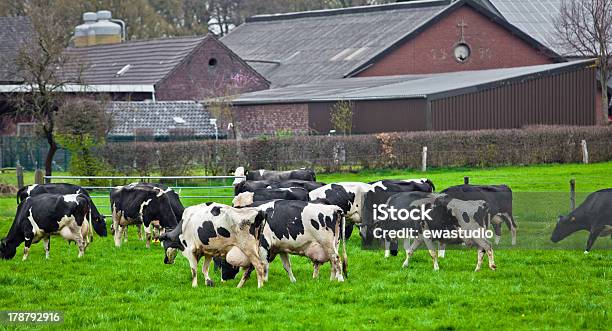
350 196
381 191
252 185
278 176
447 214
499 199
263 194
593 215
307 185
43 215
98 221
300 228
214 229
143 204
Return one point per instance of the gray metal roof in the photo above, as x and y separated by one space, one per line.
14 32
534 17
164 118
324 44
150 60
401 87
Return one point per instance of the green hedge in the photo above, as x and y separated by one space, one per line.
483 148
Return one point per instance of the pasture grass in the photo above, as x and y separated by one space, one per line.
131 288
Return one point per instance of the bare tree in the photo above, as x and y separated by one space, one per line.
585 27
45 69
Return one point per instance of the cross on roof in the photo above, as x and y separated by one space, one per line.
462 26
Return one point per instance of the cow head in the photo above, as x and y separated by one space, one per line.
239 173
7 251
566 225
171 243
99 225
243 199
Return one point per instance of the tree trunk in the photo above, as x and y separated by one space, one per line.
603 74
50 154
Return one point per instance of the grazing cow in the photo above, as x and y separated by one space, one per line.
143 204
593 215
499 199
97 219
278 176
252 185
448 216
247 198
350 196
301 228
43 215
214 229
381 191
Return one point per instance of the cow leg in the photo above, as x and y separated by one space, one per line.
441 249
26 249
432 252
118 232
255 259
481 253
492 265
316 266
592 236
334 260
147 231
205 267
246 274
287 265
47 244
193 264
387 250
415 244
140 227
497 230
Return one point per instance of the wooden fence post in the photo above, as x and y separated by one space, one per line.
572 194
424 160
585 152
19 172
466 180
39 177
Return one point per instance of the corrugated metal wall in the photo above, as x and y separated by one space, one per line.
374 116
567 98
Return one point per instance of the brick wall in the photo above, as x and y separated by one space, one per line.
197 79
431 51
270 119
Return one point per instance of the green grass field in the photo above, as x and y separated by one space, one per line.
130 287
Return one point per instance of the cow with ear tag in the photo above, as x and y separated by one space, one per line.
593 215
41 216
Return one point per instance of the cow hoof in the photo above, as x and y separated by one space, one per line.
292 279
477 269
493 267
210 283
586 252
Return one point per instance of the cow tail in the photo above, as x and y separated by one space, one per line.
344 256
19 193
90 232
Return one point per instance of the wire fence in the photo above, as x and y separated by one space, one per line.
214 187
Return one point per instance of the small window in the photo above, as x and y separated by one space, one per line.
212 62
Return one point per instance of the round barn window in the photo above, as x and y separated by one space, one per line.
462 52
212 62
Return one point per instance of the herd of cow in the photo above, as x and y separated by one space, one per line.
279 213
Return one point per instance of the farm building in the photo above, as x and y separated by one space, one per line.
563 93
161 120
420 37
190 68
